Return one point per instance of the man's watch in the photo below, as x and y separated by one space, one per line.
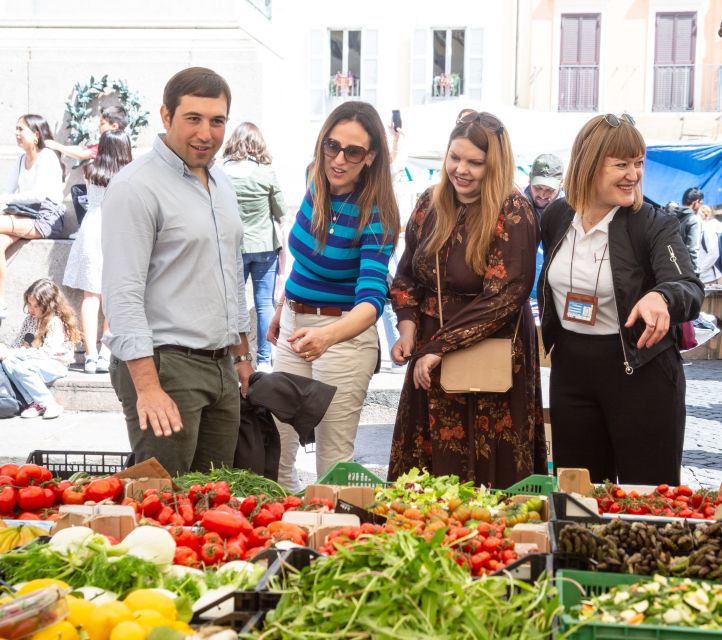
245 357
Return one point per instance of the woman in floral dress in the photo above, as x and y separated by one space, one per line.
486 238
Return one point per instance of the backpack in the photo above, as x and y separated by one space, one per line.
10 406
718 263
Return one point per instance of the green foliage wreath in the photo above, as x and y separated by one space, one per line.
79 108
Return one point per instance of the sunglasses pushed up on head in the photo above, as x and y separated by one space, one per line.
353 153
483 118
613 121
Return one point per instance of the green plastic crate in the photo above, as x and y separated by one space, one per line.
596 583
350 474
535 485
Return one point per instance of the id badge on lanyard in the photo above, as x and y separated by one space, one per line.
581 307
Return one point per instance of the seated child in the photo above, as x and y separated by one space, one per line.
43 349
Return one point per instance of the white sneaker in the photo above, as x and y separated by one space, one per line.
52 411
33 411
102 365
91 365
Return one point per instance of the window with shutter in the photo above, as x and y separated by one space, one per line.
345 56
579 62
674 45
448 62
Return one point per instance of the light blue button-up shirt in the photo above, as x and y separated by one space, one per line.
172 262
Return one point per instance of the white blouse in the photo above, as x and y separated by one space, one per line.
43 180
590 252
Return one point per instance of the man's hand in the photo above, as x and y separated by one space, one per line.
156 407
244 371
402 349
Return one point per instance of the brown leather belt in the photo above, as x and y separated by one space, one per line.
214 354
299 307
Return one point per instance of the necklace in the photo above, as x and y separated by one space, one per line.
336 214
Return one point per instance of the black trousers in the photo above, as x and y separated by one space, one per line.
624 428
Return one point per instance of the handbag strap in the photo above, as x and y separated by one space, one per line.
441 313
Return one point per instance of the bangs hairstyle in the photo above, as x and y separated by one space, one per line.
597 141
52 302
113 154
247 142
374 187
482 216
195 81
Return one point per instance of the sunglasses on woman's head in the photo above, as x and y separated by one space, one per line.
485 119
353 153
613 121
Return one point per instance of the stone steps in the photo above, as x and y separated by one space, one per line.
80 391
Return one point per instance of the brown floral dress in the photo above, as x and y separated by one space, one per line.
490 438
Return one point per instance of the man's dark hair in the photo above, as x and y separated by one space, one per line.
692 195
195 81
115 114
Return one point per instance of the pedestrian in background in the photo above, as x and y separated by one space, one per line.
341 242
616 279
484 234
84 267
260 204
44 348
33 193
710 264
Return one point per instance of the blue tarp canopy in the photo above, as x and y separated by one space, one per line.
671 169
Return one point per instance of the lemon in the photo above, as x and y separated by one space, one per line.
104 617
149 619
182 627
41 583
128 630
63 630
150 599
79 611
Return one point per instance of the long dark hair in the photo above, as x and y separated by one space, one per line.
374 187
39 126
53 303
113 154
247 142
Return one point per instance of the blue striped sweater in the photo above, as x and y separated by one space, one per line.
350 269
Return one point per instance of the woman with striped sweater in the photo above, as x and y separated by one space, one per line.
343 236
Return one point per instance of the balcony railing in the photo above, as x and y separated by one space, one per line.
344 86
446 86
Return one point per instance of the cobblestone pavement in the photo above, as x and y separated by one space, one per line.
89 431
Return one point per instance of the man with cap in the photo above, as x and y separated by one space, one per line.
545 186
545 182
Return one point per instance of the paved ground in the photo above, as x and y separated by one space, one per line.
90 431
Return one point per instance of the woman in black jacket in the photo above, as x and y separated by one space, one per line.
616 281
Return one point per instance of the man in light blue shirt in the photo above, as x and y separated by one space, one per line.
173 285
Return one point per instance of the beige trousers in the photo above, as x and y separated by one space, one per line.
348 366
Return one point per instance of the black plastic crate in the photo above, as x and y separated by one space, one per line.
64 464
528 568
560 504
251 606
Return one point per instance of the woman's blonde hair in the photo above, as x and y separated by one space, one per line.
489 135
247 142
53 303
706 212
374 188
597 141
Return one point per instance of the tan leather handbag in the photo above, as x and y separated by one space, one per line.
484 367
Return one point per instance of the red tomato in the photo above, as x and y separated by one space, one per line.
32 498
683 490
8 499
9 470
27 515
185 556
104 489
74 495
5 480
28 474
211 553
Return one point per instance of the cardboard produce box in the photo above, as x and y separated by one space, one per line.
362 497
319 524
149 474
109 519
